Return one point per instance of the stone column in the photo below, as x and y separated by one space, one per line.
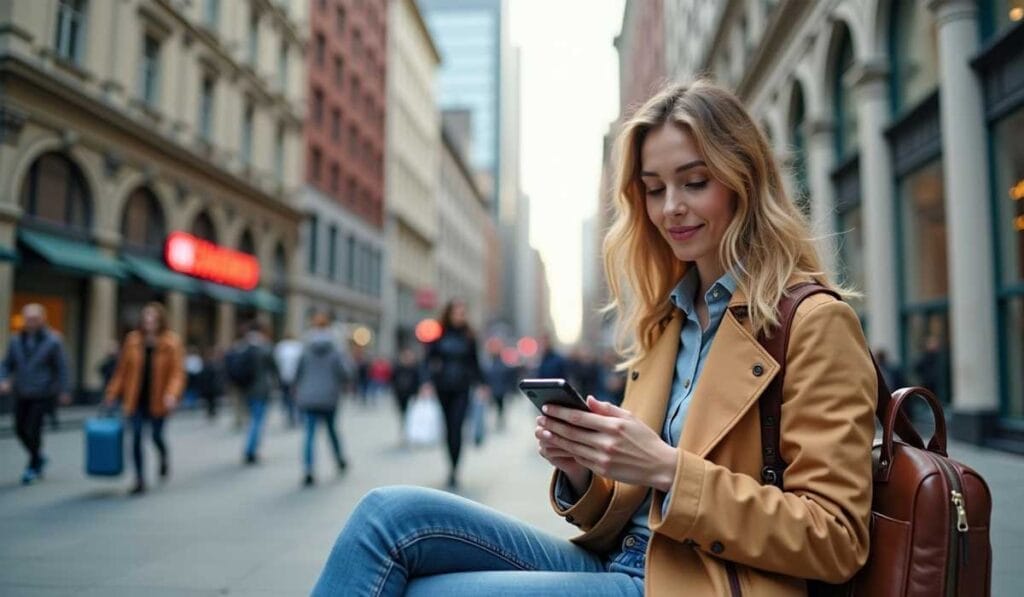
878 207
177 311
968 219
225 324
101 329
820 161
295 310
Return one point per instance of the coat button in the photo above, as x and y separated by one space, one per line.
717 547
634 375
758 370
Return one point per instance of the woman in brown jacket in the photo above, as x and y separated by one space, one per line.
667 489
149 379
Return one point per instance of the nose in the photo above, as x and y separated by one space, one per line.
674 204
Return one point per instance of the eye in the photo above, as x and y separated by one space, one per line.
697 185
654 192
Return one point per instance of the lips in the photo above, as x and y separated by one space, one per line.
681 233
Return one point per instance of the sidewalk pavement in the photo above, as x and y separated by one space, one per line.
219 528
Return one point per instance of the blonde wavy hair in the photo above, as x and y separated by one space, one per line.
767 242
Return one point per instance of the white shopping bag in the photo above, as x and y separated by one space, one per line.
423 420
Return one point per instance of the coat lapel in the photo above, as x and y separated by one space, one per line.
729 384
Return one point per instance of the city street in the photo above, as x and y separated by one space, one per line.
219 528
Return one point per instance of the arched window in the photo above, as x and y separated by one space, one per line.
203 228
279 280
797 119
913 40
54 192
246 244
843 96
143 226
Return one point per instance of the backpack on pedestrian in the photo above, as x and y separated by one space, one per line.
240 365
929 513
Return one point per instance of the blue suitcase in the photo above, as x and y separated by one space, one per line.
104 446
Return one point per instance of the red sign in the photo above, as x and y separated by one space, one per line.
196 257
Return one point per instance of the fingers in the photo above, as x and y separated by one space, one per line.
596 421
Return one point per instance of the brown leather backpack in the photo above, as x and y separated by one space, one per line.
929 513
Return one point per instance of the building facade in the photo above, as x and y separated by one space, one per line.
124 122
414 162
343 259
899 122
461 245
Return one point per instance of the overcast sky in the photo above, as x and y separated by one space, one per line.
569 95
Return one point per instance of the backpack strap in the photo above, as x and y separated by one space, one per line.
770 403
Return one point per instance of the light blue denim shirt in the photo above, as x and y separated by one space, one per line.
694 345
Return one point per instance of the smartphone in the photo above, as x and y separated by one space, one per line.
552 391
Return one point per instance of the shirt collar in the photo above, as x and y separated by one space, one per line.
682 295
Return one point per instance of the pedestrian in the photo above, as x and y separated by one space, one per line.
380 377
149 380
193 369
453 368
668 489
210 385
286 356
320 377
35 371
586 373
552 363
500 377
405 382
932 367
251 366
891 372
109 363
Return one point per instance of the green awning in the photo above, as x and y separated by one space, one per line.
72 255
265 301
8 254
156 274
225 294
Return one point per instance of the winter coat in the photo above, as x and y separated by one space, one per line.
452 363
41 373
321 374
167 370
719 524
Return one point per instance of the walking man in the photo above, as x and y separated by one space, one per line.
39 368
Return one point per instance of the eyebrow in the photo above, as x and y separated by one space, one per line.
686 166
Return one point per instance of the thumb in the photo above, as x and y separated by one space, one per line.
605 408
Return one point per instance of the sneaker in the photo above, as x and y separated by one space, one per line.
43 461
29 476
165 469
308 480
342 465
453 483
139 489
251 459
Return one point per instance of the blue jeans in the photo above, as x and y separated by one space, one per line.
257 411
332 434
157 426
423 542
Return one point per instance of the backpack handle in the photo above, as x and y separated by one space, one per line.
936 444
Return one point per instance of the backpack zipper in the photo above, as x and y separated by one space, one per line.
734 580
958 522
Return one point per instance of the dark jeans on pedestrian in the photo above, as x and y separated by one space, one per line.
288 402
28 424
455 405
327 416
257 412
156 425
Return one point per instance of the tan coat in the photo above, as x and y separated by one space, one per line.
168 371
719 514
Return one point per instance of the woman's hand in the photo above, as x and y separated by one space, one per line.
611 442
577 474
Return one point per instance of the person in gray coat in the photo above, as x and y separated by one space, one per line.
319 379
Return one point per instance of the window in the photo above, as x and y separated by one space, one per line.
54 190
998 16
353 139
339 72
142 223
357 44
247 124
69 39
845 110
149 78
336 125
339 21
279 154
206 107
321 48
350 270
797 116
1008 154
315 164
311 228
202 227
254 38
211 16
318 106
282 66
332 251
335 179
915 58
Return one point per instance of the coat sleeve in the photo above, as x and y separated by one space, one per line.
589 508
9 364
61 367
176 379
818 527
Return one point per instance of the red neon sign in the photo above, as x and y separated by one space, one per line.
196 257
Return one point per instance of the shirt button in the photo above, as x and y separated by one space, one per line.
758 370
630 541
715 293
686 385
717 547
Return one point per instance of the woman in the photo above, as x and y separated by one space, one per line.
319 378
453 368
149 379
666 488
